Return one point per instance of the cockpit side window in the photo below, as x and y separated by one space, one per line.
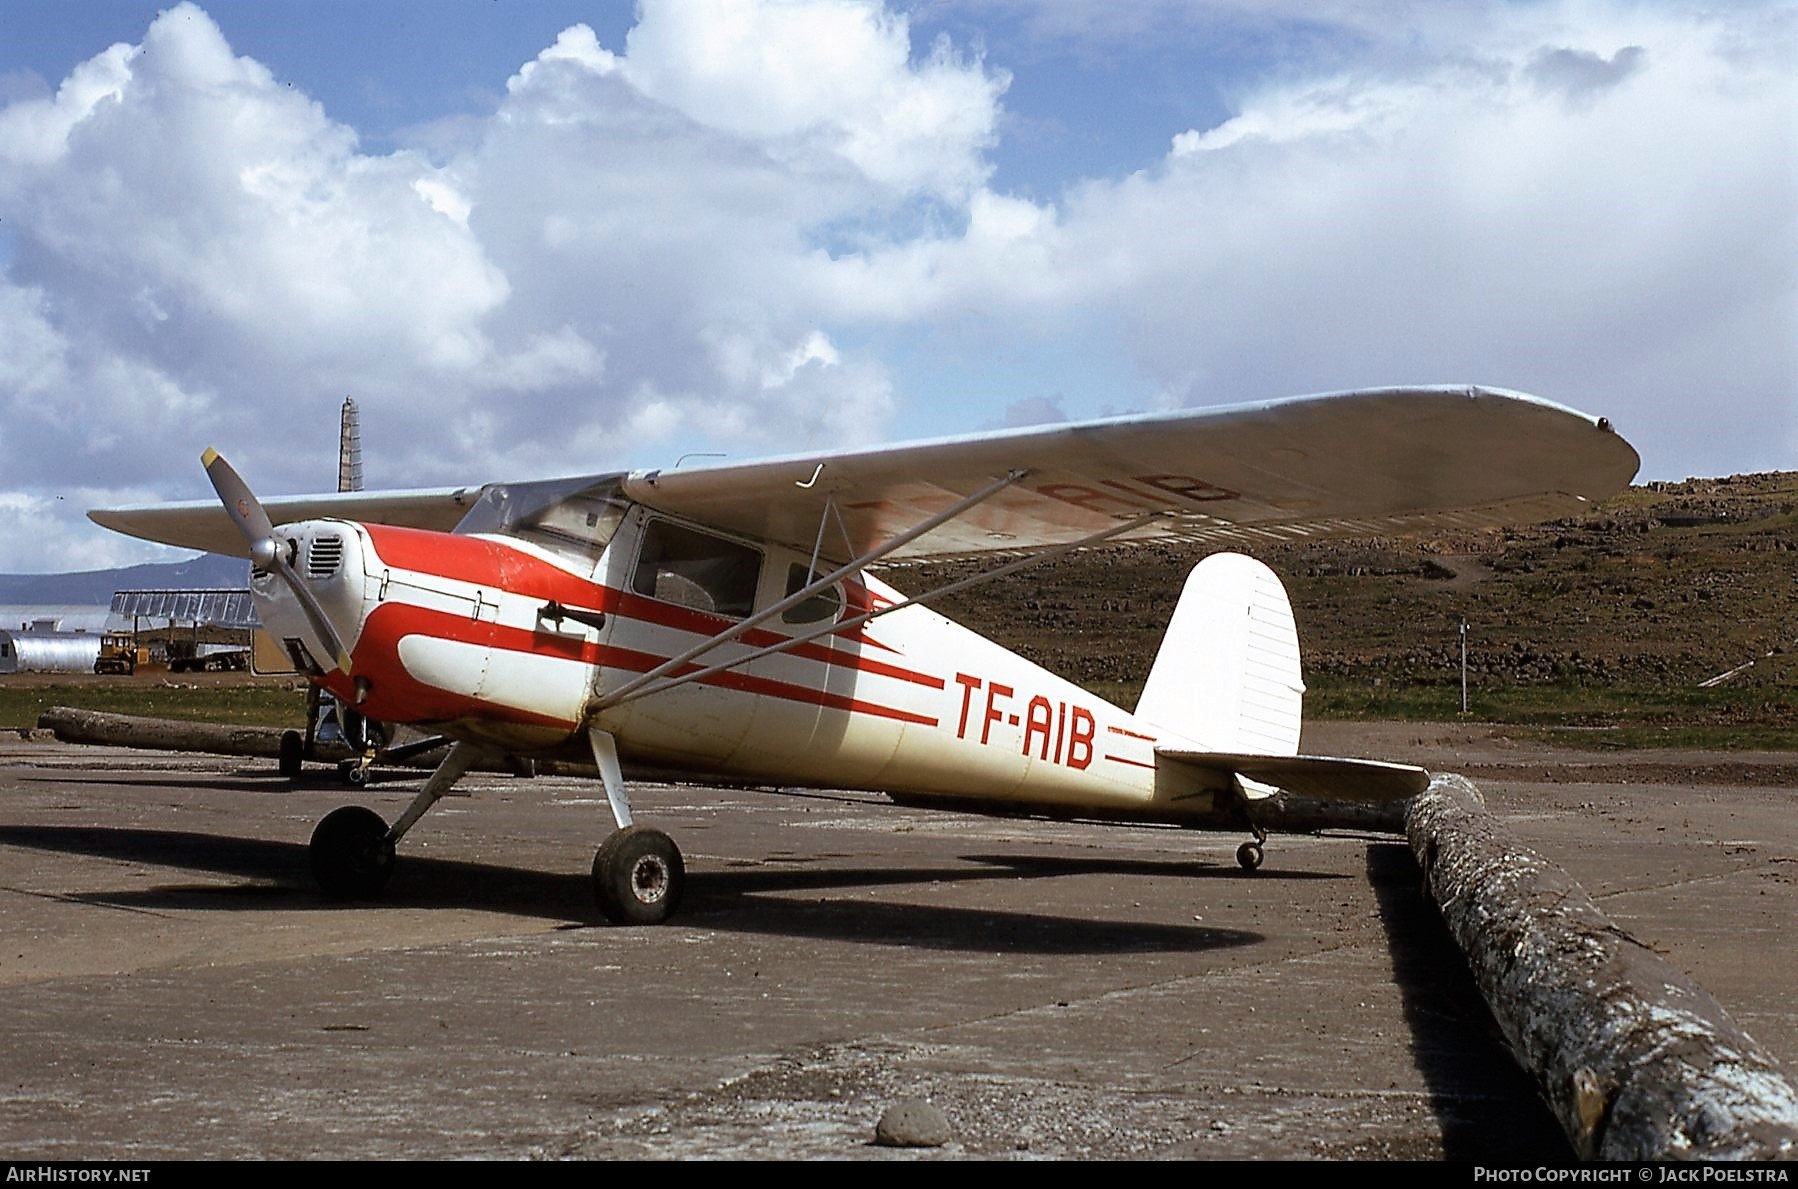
680 565
822 606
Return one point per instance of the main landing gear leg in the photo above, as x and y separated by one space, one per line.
638 874
352 850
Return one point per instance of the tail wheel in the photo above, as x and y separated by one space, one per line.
350 854
1248 856
638 876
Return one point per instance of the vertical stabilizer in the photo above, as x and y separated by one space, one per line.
1227 676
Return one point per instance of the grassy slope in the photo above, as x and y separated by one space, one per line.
1607 621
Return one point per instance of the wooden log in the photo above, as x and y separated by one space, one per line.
1636 1060
1289 813
163 734
105 729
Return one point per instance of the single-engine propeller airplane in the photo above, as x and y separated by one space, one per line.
724 621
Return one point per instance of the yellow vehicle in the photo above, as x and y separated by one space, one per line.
118 654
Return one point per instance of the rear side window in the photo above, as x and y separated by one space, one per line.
821 606
684 566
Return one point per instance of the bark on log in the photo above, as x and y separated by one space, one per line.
1289 813
104 729
162 734
1636 1060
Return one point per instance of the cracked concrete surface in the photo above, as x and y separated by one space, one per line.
173 987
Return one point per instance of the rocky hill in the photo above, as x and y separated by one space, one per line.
1662 588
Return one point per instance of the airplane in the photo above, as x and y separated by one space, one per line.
724 621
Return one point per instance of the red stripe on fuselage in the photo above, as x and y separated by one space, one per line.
685 619
483 562
643 662
396 696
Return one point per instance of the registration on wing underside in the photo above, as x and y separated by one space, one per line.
1347 464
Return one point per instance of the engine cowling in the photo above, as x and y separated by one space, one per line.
443 629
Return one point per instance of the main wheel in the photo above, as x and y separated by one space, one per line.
351 857
638 876
293 752
1248 856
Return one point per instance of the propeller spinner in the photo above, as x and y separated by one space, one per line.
265 551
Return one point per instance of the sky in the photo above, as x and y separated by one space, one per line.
548 238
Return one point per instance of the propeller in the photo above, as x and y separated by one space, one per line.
265 551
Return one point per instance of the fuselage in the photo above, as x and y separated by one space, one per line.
515 641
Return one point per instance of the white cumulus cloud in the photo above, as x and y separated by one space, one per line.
1598 203
760 225
623 252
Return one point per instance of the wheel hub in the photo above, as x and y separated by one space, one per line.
649 879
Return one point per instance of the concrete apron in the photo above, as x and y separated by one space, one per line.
1635 1059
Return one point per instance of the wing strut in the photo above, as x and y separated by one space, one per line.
799 596
635 690
830 509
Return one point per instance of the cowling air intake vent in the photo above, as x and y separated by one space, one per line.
323 556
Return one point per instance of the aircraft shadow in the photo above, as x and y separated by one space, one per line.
1050 865
748 901
1487 1106
223 784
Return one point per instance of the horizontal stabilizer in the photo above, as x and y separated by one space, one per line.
1310 776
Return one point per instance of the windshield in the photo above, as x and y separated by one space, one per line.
573 517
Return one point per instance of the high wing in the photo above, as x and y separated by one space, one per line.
1355 463
204 524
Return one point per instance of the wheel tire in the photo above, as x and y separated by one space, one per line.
638 876
352 773
350 855
293 751
1249 856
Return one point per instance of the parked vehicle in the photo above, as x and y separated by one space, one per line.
118 654
187 656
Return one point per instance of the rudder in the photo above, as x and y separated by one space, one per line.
1227 676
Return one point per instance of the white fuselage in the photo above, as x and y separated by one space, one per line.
508 642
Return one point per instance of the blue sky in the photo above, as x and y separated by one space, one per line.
558 237
380 67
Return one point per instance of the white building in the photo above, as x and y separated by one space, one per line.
48 651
